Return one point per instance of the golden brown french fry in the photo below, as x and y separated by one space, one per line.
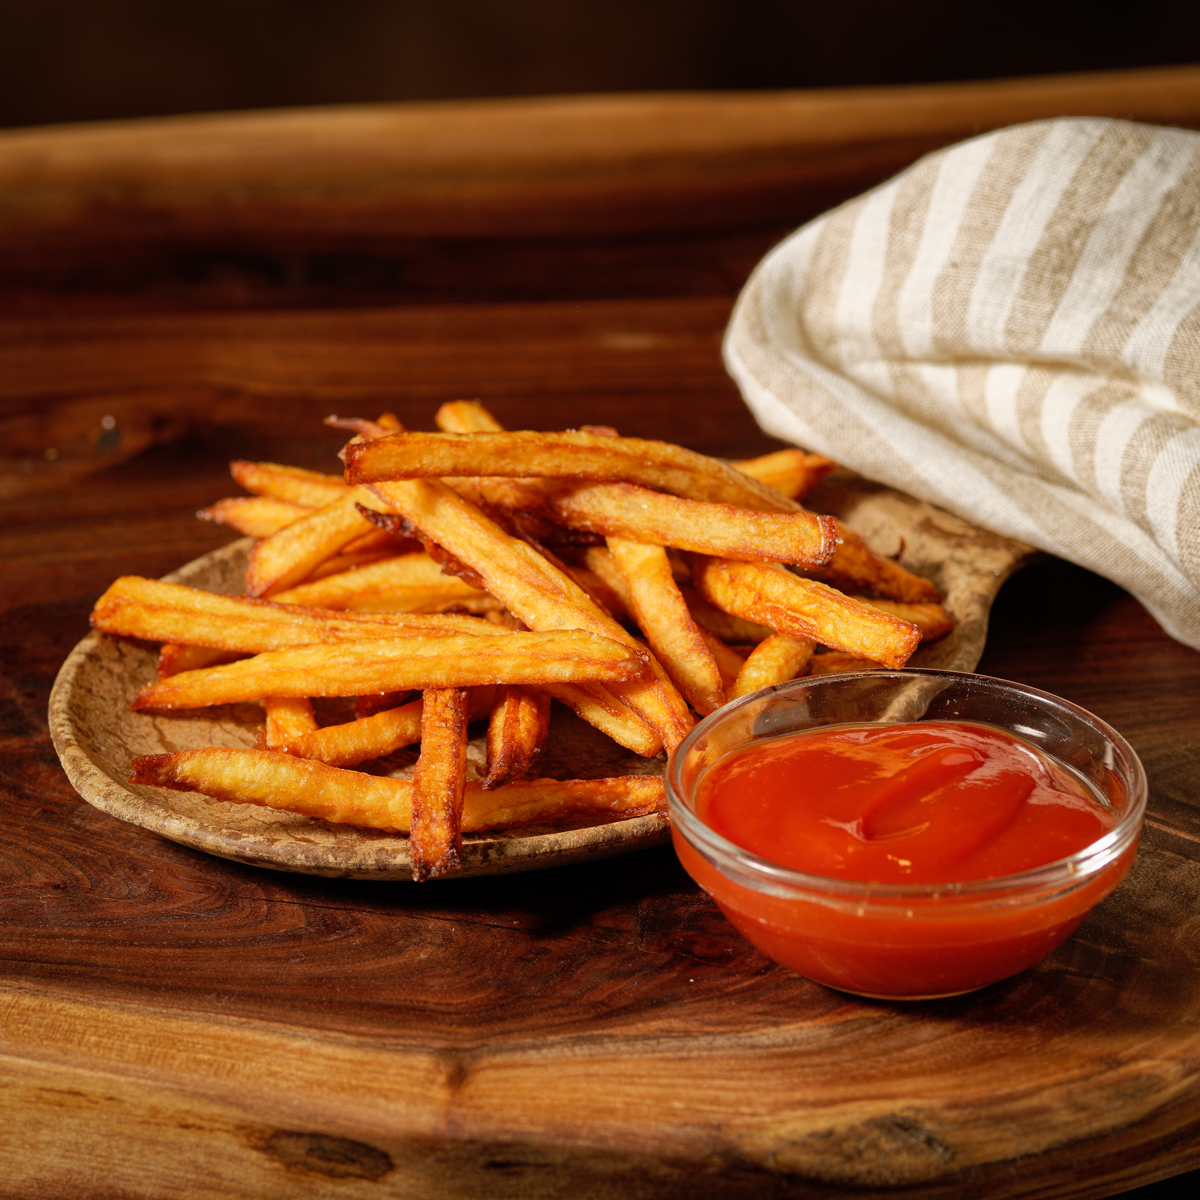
274 780
173 658
624 510
288 718
773 660
357 741
598 706
517 731
599 560
295 484
379 728
339 564
729 661
387 423
855 567
501 616
532 588
608 598
663 617
404 583
555 802
159 611
426 661
574 455
791 472
378 541
289 556
933 620
439 779
373 702
255 516
771 595
735 630
466 416
836 662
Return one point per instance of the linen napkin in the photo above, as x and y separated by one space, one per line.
1009 329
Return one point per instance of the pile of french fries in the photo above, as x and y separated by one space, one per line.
475 574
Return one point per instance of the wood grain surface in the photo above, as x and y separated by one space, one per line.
175 1025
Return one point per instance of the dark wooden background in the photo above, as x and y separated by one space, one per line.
75 60
215 309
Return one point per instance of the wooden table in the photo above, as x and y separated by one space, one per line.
177 1025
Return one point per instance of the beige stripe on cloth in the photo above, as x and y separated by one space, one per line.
1010 329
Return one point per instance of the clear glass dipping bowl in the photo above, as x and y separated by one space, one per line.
907 941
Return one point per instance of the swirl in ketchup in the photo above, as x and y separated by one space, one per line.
932 802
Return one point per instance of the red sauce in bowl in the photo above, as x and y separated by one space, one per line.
932 802
903 861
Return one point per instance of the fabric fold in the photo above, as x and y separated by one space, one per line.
1010 329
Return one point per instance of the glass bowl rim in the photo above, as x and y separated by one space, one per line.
764 875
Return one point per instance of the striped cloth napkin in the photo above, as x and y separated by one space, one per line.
1009 329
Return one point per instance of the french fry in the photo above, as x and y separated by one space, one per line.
933 620
353 742
517 731
773 660
771 595
274 780
501 616
387 423
612 601
280 781
855 567
173 658
836 662
287 557
309 488
735 630
530 587
439 779
255 516
339 564
426 661
466 416
556 802
634 513
378 728
791 472
729 661
404 583
662 616
159 611
288 718
378 541
574 455
372 702
600 707
599 560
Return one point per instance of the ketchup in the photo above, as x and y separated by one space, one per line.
934 802
902 827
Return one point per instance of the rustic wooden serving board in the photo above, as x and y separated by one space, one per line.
179 1025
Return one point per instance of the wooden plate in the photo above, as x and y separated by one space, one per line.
96 735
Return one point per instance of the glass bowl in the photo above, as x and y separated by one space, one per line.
907 941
